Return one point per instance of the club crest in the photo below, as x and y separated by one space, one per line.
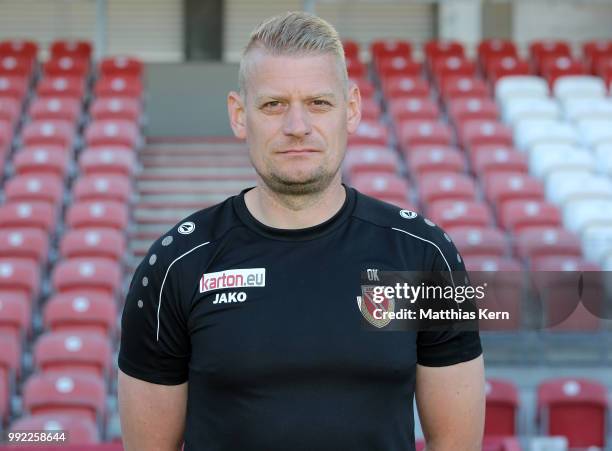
368 307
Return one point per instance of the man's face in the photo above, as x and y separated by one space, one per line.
295 118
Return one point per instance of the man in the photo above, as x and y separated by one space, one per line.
241 330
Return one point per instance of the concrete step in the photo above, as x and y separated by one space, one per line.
182 161
192 187
202 174
183 198
167 216
199 149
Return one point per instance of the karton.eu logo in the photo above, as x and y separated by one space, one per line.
233 278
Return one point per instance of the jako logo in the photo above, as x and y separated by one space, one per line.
233 278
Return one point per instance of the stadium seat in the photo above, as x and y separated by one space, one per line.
107 160
398 66
577 109
468 109
351 49
112 133
81 311
13 87
97 214
15 311
366 88
574 408
579 86
595 132
370 133
28 214
449 186
503 187
79 430
483 241
6 138
121 65
4 399
9 110
596 50
556 67
580 214
501 408
452 66
406 87
61 86
107 243
93 274
506 66
368 159
546 159
517 215
563 187
491 263
540 49
529 133
459 213
55 108
354 68
603 157
567 263
14 66
370 111
387 187
385 48
525 108
10 358
418 133
597 243
463 87
540 242
73 353
495 159
495 48
41 161
102 186
429 160
28 243
66 66
73 48
435 49
406 109
119 86
19 47
35 187
43 133
20 275
79 395
515 86
479 133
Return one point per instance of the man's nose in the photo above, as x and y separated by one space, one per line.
297 121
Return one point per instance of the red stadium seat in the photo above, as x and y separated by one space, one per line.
491 263
101 186
489 159
119 86
556 67
596 51
351 49
116 108
453 66
427 161
367 160
76 312
13 87
479 133
40 161
370 133
79 430
503 187
398 66
43 133
435 49
366 88
370 110
28 214
10 357
14 314
410 87
97 214
55 108
574 408
9 110
61 86
106 243
449 186
112 133
413 109
467 109
72 48
390 188
121 65
15 66
19 47
6 138
501 408
562 263
35 187
538 50
4 399
20 275
459 213
482 241
107 161
71 353
538 242
66 66
385 48
418 133
355 68
79 395
506 66
92 274
25 243
462 87
517 215
495 48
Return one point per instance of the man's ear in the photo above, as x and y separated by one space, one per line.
237 117
353 110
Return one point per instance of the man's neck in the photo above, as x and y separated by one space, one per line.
294 212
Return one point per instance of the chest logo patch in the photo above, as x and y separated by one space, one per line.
233 278
376 313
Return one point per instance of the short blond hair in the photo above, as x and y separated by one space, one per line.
296 33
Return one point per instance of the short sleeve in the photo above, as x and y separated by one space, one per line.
448 347
155 345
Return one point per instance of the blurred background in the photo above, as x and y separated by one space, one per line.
493 118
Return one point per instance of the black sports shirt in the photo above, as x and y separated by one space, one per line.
264 325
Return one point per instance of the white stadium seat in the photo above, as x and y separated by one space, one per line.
522 108
544 160
579 215
581 109
603 157
595 132
567 186
529 133
580 86
597 243
514 86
